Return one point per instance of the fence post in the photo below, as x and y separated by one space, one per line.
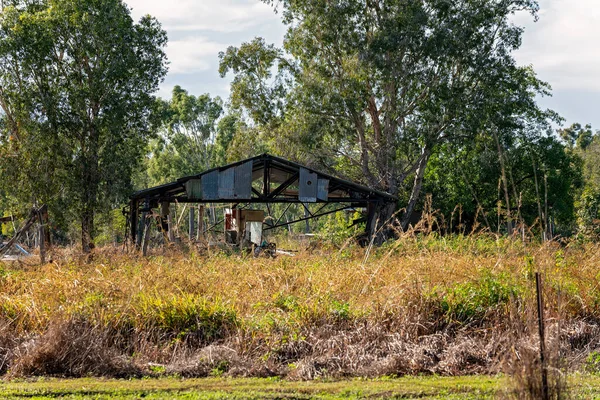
540 304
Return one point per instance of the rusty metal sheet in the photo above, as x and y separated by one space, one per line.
227 184
210 186
308 185
243 181
323 189
193 189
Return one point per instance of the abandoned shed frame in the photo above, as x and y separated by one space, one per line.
263 179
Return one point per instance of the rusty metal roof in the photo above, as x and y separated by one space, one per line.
241 181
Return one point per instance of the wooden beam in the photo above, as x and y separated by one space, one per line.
171 232
33 215
42 239
200 233
146 235
133 220
191 223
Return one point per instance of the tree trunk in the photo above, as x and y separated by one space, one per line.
87 229
417 186
509 222
89 187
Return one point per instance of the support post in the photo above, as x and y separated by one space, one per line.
192 221
146 239
42 245
165 208
42 235
372 217
200 221
140 230
306 216
540 305
171 232
142 223
133 220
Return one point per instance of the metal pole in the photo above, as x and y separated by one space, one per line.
540 304
306 218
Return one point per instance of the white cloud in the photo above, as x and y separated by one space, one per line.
199 29
562 45
213 15
192 54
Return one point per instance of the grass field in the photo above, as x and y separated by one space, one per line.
452 306
473 387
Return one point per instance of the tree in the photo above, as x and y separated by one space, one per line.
187 133
373 88
227 129
577 136
583 143
76 84
543 178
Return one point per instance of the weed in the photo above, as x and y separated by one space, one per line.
470 301
592 363
423 304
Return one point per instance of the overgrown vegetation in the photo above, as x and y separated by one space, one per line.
420 305
465 129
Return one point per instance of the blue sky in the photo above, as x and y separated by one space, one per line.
563 46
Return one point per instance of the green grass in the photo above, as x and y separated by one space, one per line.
475 387
430 387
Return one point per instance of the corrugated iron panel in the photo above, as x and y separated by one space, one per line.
323 190
308 186
255 232
210 186
243 181
226 184
193 189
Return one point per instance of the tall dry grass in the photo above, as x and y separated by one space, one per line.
422 304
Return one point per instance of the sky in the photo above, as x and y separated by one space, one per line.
563 46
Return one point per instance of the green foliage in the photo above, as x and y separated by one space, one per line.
586 145
111 227
373 89
588 212
227 128
471 301
537 166
187 129
577 136
435 387
592 363
286 303
77 78
184 315
337 227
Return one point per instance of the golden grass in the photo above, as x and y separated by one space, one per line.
412 287
115 285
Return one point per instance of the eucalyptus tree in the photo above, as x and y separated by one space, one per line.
187 132
543 177
373 87
584 142
76 85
